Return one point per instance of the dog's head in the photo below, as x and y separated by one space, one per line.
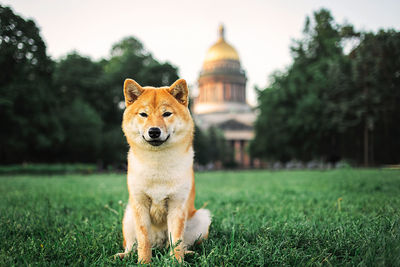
157 118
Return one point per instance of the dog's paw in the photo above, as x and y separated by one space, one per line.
121 255
178 254
189 252
144 260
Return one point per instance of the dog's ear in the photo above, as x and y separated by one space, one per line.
180 91
132 90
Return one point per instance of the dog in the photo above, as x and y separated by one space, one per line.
161 212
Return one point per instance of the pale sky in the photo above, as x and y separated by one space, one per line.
181 31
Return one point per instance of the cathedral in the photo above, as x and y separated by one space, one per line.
221 99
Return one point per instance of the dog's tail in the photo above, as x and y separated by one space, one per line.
197 227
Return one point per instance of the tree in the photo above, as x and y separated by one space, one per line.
78 77
129 59
69 110
82 127
327 105
200 146
27 103
376 76
296 119
210 146
97 86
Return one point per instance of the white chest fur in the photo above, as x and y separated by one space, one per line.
160 174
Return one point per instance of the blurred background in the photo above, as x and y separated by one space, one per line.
309 84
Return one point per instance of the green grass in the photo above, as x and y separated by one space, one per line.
259 218
47 169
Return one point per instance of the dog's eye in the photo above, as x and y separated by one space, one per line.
143 114
167 114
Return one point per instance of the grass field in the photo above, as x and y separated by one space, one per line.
260 218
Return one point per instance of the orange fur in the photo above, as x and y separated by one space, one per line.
190 203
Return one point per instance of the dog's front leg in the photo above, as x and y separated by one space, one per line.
176 227
142 225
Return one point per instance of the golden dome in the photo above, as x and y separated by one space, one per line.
221 49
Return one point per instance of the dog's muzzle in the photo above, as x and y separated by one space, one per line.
154 134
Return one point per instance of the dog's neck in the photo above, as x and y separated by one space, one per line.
157 157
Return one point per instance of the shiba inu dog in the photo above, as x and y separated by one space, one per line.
159 129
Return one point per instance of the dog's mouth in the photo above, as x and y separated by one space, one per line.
156 142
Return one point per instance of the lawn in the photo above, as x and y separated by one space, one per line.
260 218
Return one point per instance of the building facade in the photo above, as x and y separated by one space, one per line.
221 99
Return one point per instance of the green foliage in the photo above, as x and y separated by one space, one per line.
200 146
23 52
82 133
210 146
376 76
260 218
129 59
28 117
215 144
78 77
44 169
319 106
69 110
114 147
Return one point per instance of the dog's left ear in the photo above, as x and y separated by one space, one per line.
180 91
132 90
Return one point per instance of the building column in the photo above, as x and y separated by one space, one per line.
246 156
237 151
242 153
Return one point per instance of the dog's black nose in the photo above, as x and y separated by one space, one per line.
154 132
